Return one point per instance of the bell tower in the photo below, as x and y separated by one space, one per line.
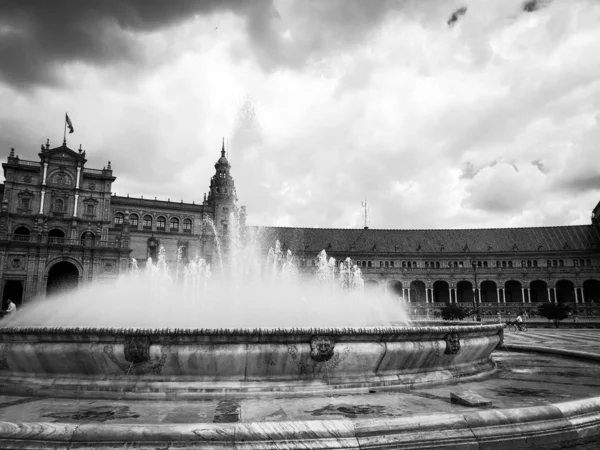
222 196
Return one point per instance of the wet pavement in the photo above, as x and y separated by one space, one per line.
522 379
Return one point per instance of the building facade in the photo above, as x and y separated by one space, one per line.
60 225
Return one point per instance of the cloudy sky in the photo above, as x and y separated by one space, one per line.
442 114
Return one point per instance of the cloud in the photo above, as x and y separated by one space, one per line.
39 37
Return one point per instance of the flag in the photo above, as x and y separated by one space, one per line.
69 124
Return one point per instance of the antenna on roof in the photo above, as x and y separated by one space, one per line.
366 208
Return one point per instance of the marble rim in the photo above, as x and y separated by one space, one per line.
331 331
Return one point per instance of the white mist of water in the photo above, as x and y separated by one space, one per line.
246 292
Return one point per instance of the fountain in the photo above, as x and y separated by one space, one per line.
247 329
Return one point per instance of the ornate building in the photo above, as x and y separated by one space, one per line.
61 226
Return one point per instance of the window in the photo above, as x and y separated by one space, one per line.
535 263
391 263
369 264
119 219
25 203
59 205
364 264
147 222
380 263
174 224
133 220
89 209
528 263
510 264
437 265
161 223
561 263
504 264
576 262
404 264
485 264
523 264
427 264
409 264
498 264
479 264
187 226
588 262
548 263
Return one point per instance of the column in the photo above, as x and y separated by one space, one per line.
504 295
498 295
450 293
426 295
75 207
582 296
554 295
45 173
78 176
528 295
479 294
523 300
549 295
408 295
42 201
576 295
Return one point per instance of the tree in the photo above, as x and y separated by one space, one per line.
453 312
554 311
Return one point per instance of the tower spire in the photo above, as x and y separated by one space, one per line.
223 148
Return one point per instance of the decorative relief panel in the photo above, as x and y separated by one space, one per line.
452 343
16 262
62 179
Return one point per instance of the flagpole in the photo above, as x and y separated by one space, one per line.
65 131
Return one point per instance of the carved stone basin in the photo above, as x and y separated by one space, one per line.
158 363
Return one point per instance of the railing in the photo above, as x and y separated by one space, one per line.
58 213
52 241
24 211
469 270
24 162
96 171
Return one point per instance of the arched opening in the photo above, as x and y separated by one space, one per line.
591 291
161 223
538 290
513 292
565 291
62 277
21 234
441 292
134 221
489 292
464 292
174 225
417 292
56 236
187 226
395 287
147 223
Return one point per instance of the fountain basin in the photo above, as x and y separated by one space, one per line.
158 363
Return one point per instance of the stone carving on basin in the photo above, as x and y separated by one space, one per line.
200 362
321 348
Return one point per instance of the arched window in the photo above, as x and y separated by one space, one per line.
56 236
161 223
147 222
485 264
134 221
510 264
437 265
504 264
535 263
59 205
561 263
369 264
364 264
380 263
174 224
187 226
409 264
21 234
119 219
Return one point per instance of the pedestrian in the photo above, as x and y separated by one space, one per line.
11 307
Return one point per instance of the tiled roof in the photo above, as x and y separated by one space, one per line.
539 239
